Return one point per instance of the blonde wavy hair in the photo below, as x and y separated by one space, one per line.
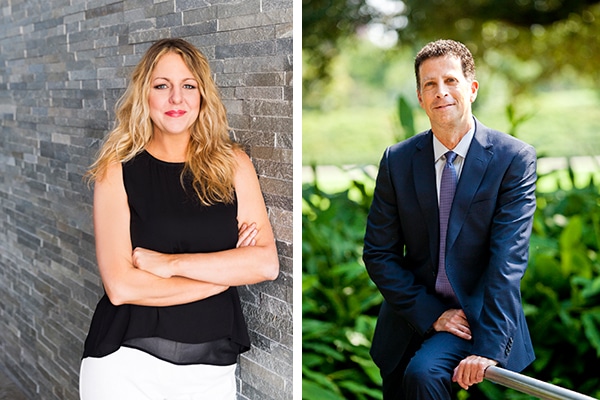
210 157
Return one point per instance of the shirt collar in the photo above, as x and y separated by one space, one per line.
461 148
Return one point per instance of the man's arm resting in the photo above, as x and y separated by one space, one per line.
471 371
383 245
453 321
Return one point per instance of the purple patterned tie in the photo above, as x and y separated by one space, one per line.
447 189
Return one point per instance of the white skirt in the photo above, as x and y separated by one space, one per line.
131 374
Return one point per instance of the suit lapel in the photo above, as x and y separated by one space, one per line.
476 163
424 178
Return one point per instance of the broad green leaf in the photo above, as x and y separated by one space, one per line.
312 391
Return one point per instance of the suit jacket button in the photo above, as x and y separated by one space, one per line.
508 346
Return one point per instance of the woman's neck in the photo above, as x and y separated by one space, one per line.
170 149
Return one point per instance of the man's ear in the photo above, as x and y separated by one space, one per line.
419 98
474 89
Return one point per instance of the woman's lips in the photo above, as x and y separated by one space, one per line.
175 113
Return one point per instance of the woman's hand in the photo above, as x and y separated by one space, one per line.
253 260
247 235
159 263
152 261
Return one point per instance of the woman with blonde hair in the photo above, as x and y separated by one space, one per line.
179 222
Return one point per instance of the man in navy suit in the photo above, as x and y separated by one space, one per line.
452 300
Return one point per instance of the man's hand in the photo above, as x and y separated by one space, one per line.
471 371
453 321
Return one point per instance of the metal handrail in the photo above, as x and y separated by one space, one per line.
528 385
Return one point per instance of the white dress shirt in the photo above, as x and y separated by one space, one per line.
439 151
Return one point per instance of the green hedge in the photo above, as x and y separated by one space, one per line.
561 294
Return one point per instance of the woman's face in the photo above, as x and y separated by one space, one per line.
174 98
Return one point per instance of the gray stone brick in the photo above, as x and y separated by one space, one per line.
284 46
256 64
271 108
253 49
266 79
254 34
239 123
281 202
202 28
237 8
264 383
74 17
169 20
284 140
276 186
269 5
271 124
63 65
131 4
194 15
104 10
267 93
148 36
259 19
183 5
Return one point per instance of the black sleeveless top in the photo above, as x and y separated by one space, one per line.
167 218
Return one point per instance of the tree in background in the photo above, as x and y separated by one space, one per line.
530 41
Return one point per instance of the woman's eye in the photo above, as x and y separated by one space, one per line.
188 86
161 86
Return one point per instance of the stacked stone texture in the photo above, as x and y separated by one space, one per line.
63 65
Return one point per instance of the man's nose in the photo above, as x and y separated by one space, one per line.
442 90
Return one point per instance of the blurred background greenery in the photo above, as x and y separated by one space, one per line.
539 57
537 67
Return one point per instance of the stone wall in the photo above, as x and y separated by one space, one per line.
63 65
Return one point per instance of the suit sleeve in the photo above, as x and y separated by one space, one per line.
509 246
384 256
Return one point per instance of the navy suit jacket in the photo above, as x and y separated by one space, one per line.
487 245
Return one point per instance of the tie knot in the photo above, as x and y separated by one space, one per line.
450 156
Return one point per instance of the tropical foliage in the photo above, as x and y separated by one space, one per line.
561 289
528 47
561 294
339 302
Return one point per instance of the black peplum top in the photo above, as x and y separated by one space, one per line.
167 218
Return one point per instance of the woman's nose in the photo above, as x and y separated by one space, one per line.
175 95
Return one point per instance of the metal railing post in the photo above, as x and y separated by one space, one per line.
534 387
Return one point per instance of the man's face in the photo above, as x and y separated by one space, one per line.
444 93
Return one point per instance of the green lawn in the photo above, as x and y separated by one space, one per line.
552 175
565 123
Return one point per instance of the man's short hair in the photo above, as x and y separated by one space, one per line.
441 48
